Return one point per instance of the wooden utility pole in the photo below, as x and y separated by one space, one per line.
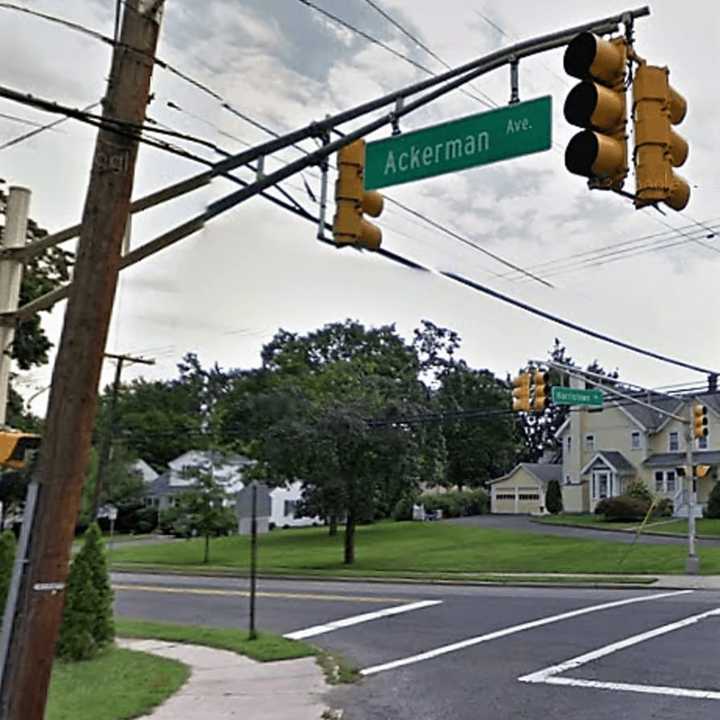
73 396
106 445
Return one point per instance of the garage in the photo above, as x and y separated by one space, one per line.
522 490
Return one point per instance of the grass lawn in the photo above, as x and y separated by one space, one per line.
266 648
591 521
704 526
420 548
117 685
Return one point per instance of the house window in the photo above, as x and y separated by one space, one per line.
505 496
670 481
635 440
601 485
659 481
569 444
568 481
290 506
590 442
673 442
702 443
529 496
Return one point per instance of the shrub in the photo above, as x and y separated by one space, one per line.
403 509
639 490
601 507
663 508
624 508
713 506
87 624
456 504
479 502
553 498
7 558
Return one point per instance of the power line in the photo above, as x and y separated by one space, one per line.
385 46
414 38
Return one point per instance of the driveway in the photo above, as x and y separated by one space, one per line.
523 523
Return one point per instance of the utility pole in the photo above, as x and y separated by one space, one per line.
13 237
106 445
73 397
692 564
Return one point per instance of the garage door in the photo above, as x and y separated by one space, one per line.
504 501
528 500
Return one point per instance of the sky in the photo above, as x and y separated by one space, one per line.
225 291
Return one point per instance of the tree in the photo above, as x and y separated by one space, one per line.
7 559
482 446
553 497
713 506
87 624
201 509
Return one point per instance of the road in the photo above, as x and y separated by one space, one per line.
432 651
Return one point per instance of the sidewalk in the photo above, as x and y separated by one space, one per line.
225 686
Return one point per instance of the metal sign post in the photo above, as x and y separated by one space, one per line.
252 635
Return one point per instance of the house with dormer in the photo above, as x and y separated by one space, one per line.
605 449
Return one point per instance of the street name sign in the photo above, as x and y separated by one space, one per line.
577 396
507 132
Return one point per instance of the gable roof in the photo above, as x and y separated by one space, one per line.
677 459
542 472
613 459
652 420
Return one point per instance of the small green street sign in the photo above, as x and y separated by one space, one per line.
577 396
507 132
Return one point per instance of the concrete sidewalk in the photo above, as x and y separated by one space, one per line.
225 686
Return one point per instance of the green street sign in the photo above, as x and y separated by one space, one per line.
507 132
577 396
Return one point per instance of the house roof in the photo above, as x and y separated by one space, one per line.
542 472
676 459
614 459
648 418
160 486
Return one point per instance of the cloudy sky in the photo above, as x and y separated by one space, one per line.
223 292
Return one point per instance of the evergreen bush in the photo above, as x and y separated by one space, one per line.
553 498
713 506
7 558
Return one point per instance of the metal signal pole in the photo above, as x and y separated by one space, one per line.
73 397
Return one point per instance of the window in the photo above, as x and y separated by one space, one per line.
659 481
673 442
504 496
670 481
590 442
529 497
568 481
702 443
290 506
635 440
569 444
601 484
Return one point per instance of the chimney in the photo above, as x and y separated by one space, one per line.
712 382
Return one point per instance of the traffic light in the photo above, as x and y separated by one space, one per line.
700 421
597 104
521 393
656 108
541 398
352 201
13 448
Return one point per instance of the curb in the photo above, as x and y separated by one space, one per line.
599 585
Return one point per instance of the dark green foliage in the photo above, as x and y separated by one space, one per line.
622 508
7 558
457 503
663 508
713 506
639 490
403 508
87 624
553 498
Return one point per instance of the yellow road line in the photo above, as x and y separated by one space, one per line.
246 593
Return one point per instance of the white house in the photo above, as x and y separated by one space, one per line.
229 470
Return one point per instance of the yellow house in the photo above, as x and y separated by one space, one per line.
605 449
522 490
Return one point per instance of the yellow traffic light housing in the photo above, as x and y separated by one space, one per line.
598 105
700 421
541 398
14 447
658 149
352 201
521 393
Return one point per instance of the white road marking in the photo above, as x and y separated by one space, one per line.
428 655
357 619
548 675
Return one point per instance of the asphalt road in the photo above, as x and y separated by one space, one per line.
522 523
468 653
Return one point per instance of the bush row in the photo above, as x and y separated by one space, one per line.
624 508
452 504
